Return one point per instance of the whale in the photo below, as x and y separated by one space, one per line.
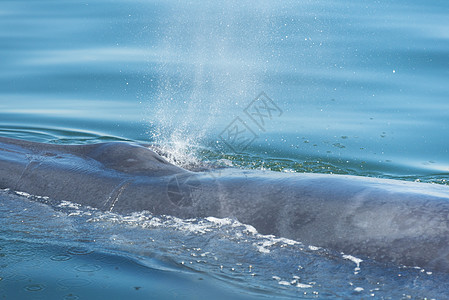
390 221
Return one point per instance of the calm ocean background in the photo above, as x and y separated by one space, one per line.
363 87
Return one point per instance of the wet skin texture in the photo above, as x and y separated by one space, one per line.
391 221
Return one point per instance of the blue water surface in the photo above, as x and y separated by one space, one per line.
359 87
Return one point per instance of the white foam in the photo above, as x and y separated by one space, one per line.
76 213
23 194
261 249
303 285
68 204
354 259
221 222
249 229
267 241
263 243
180 152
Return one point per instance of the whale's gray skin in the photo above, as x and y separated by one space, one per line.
393 221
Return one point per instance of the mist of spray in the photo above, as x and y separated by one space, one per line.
213 60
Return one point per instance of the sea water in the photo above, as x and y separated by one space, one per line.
342 87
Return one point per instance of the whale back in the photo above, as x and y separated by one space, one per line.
123 157
132 159
387 220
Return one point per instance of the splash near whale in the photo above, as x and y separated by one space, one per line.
406 223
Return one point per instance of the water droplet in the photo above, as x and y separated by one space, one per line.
60 257
87 268
34 287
